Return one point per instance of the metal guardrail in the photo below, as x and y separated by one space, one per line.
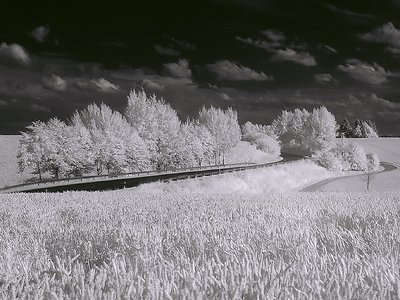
121 176
176 174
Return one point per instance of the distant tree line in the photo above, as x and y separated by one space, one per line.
147 136
360 129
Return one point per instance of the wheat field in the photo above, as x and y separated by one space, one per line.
122 245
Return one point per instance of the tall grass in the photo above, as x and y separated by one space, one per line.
120 245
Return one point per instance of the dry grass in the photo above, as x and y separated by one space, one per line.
120 245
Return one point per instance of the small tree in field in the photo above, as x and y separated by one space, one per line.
371 167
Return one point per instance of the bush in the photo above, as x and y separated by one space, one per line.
268 145
373 162
346 157
258 135
329 161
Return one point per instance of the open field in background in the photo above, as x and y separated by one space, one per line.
388 150
190 246
8 162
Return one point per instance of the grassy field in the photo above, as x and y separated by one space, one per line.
121 245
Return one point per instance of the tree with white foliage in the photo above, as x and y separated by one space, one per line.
320 130
367 130
205 142
78 149
137 153
156 122
304 132
262 137
110 135
290 128
31 152
372 166
224 126
56 133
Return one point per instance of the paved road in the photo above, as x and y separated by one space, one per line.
387 167
113 182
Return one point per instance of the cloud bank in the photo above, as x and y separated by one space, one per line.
14 54
368 73
226 70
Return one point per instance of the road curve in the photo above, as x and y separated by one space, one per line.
387 167
121 181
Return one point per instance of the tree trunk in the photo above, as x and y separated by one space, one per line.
39 171
99 169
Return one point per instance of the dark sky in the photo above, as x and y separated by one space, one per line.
257 56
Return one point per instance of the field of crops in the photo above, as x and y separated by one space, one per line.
119 245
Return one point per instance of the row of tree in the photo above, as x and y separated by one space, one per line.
148 136
361 129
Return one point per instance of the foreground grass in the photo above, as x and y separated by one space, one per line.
152 246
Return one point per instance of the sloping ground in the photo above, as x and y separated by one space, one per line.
9 174
245 152
277 179
388 150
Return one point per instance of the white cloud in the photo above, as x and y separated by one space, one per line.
39 108
14 53
152 85
227 70
327 49
104 85
303 58
225 96
3 103
393 50
274 35
364 72
166 51
178 70
40 33
55 83
182 44
349 13
269 46
386 34
100 85
323 78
